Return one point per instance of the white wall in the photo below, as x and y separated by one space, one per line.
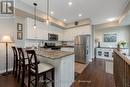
6 28
129 41
20 43
123 33
93 42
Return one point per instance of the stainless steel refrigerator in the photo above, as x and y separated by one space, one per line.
82 48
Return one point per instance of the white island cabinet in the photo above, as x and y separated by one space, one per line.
63 63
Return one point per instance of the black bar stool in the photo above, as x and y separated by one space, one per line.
15 65
39 70
16 62
22 67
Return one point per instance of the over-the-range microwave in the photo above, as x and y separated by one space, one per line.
52 37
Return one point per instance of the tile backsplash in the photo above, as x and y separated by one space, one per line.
32 43
68 43
36 43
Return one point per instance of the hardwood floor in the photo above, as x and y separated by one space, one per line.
95 76
8 81
79 67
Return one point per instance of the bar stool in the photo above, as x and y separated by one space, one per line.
21 66
15 65
38 70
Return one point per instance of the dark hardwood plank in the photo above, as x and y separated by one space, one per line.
95 76
8 81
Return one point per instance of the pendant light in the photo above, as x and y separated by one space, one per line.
35 4
47 15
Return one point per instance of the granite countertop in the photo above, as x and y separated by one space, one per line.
69 46
66 46
111 47
126 58
53 54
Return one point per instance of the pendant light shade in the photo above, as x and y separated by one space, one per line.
47 22
47 19
35 5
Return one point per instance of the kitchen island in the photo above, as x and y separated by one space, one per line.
121 64
63 63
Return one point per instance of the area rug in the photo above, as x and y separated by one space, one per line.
79 67
109 67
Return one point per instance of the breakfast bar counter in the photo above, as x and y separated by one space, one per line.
53 54
63 63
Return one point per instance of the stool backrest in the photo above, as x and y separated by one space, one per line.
21 56
21 65
15 53
33 63
15 65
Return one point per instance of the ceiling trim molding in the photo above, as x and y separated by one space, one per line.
83 22
77 26
24 10
125 13
53 21
106 25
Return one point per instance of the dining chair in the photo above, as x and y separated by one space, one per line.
39 70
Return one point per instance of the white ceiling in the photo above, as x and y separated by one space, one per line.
97 10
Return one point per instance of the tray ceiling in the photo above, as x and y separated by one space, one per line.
99 11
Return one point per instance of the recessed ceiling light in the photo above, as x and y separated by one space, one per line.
65 20
70 3
52 12
80 15
111 19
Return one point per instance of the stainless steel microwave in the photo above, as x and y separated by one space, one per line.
52 37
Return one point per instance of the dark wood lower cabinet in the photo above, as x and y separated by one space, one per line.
121 70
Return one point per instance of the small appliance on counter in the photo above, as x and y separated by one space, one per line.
68 44
41 44
64 43
52 46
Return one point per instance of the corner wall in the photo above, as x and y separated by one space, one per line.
129 40
8 26
123 33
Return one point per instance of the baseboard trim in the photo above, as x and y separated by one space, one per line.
4 71
90 60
